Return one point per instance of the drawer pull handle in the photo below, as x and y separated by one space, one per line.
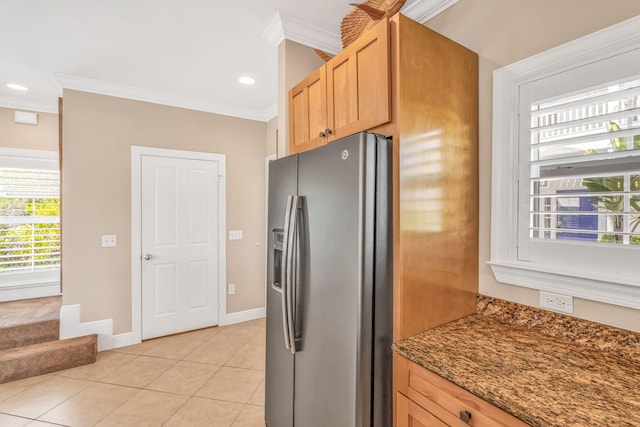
465 416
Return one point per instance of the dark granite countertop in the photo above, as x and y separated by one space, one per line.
544 368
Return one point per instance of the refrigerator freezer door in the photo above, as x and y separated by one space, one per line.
279 360
327 361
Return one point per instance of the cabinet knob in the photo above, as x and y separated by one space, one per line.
465 416
328 132
322 135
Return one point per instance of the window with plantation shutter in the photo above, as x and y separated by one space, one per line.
29 219
584 174
566 169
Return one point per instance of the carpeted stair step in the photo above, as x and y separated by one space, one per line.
42 358
29 322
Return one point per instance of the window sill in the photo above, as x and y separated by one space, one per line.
18 291
623 291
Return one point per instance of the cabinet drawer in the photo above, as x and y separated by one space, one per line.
410 414
447 401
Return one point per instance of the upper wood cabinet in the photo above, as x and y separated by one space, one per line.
358 96
308 112
351 93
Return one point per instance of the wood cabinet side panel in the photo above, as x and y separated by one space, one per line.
437 120
394 68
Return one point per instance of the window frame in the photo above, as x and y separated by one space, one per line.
29 284
623 289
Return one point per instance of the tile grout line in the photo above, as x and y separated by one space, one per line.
194 394
69 398
49 376
241 342
176 411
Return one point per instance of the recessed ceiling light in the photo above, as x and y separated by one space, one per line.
246 80
16 86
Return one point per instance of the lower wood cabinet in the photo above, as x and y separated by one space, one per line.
410 414
424 399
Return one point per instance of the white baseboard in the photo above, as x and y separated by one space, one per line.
70 327
242 316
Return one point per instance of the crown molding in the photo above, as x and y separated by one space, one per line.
29 105
285 27
83 84
271 112
274 33
423 10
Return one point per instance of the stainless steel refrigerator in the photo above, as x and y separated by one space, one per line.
329 286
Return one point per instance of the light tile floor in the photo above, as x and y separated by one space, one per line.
211 377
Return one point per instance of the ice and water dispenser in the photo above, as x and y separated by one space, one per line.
278 240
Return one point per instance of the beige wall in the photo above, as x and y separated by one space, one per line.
98 133
272 136
43 136
503 32
295 62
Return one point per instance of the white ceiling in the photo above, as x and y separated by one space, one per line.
186 53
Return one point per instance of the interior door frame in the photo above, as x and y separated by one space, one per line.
137 152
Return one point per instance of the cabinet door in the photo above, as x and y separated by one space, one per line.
308 112
358 95
411 414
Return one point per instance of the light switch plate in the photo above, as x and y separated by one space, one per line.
109 241
235 235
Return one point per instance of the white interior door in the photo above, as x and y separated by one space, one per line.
180 244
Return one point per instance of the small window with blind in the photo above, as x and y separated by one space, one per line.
566 169
29 218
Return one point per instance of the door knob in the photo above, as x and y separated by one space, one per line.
147 257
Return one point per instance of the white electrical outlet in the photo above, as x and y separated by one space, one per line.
232 289
556 302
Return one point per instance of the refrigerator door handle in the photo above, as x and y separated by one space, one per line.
293 235
286 266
